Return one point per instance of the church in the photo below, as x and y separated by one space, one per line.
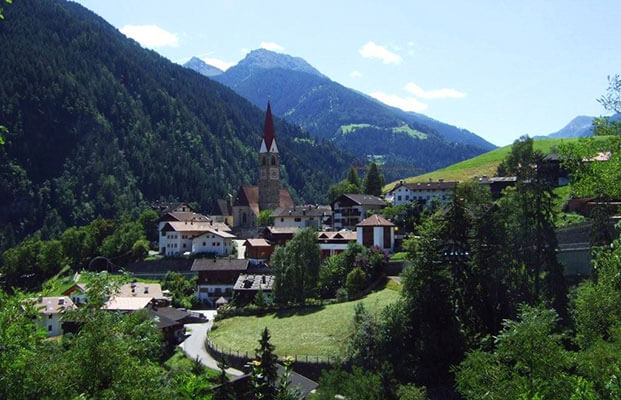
267 195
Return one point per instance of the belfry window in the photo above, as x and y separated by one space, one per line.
273 160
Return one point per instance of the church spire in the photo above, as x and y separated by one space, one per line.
268 129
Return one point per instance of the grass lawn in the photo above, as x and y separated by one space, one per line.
484 164
318 331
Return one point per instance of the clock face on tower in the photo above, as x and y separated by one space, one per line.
273 173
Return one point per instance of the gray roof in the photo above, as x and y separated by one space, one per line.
303 211
254 282
365 199
439 185
219 264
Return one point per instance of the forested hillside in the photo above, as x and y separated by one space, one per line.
98 125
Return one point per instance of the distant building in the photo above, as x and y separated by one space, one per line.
496 184
312 216
77 293
51 310
258 249
376 231
423 193
332 243
267 195
248 285
349 209
217 277
195 237
279 236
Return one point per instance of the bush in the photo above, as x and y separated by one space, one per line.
341 295
355 281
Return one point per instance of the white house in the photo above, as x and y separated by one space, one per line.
376 231
51 310
332 243
424 193
302 216
178 238
350 209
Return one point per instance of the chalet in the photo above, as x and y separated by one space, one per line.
248 285
127 304
349 209
196 237
313 216
135 296
51 310
77 293
267 195
332 243
217 277
423 193
376 231
279 236
171 321
258 249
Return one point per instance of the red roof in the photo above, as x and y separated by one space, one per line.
268 129
376 220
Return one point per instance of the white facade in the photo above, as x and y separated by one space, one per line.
347 216
424 192
210 293
301 222
176 243
378 237
212 243
51 324
51 310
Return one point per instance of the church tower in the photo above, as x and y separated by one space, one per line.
269 166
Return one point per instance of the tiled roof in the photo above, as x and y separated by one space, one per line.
196 228
219 264
257 243
444 185
248 196
375 220
53 305
140 289
282 229
302 211
118 303
336 236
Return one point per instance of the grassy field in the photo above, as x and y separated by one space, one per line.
318 331
484 164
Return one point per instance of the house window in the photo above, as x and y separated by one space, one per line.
282 220
50 316
184 245
49 328
298 219
204 244
399 198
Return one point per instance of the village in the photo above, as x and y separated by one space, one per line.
227 254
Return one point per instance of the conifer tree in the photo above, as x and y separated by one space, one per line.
264 369
373 180
353 178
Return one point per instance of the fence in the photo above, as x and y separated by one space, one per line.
307 365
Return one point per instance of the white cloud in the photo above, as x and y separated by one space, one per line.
373 50
355 74
271 46
446 93
151 36
216 62
404 103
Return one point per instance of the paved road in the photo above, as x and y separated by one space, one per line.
194 345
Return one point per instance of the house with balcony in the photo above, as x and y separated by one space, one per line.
422 192
350 209
313 216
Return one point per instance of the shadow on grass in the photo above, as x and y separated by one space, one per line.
298 311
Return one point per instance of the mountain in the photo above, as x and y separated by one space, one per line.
405 143
202 67
98 125
580 126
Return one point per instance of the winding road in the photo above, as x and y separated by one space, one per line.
194 345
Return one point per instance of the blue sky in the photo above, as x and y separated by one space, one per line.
498 68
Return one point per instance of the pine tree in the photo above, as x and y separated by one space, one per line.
224 391
353 178
373 180
264 369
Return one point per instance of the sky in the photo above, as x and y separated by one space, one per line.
498 68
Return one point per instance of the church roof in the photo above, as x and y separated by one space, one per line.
249 196
269 134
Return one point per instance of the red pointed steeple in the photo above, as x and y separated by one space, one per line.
268 129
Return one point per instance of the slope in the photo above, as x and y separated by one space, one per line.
482 165
99 125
